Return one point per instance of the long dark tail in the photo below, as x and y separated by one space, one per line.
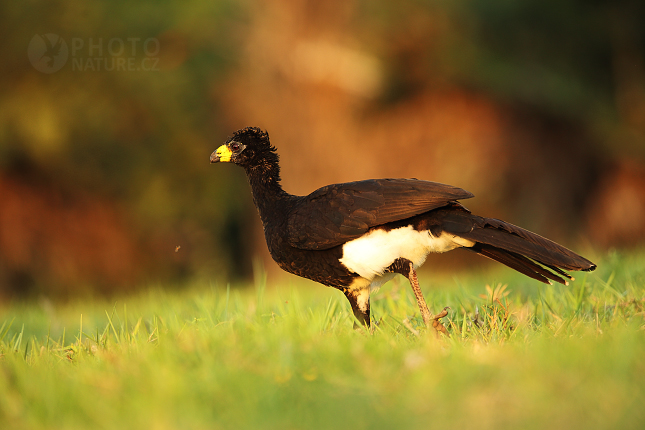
517 248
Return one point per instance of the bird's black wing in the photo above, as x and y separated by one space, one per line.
337 213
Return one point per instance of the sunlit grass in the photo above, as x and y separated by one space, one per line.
520 355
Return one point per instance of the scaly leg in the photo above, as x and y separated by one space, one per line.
406 268
423 307
425 312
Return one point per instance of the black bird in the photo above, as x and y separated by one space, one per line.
356 236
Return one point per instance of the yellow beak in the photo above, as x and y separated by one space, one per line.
222 154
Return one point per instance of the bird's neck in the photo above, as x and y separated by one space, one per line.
268 195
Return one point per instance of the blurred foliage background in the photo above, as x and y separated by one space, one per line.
538 107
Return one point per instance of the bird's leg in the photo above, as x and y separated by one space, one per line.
423 307
406 268
425 312
360 302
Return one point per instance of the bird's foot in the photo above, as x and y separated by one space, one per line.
369 328
436 322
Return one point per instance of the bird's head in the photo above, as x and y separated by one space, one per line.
248 147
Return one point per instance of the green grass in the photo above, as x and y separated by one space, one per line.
286 356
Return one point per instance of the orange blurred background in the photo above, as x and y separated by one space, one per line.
537 108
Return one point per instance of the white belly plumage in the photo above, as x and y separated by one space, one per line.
369 255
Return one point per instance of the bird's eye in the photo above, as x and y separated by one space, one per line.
235 146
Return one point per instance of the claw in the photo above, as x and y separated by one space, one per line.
436 322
